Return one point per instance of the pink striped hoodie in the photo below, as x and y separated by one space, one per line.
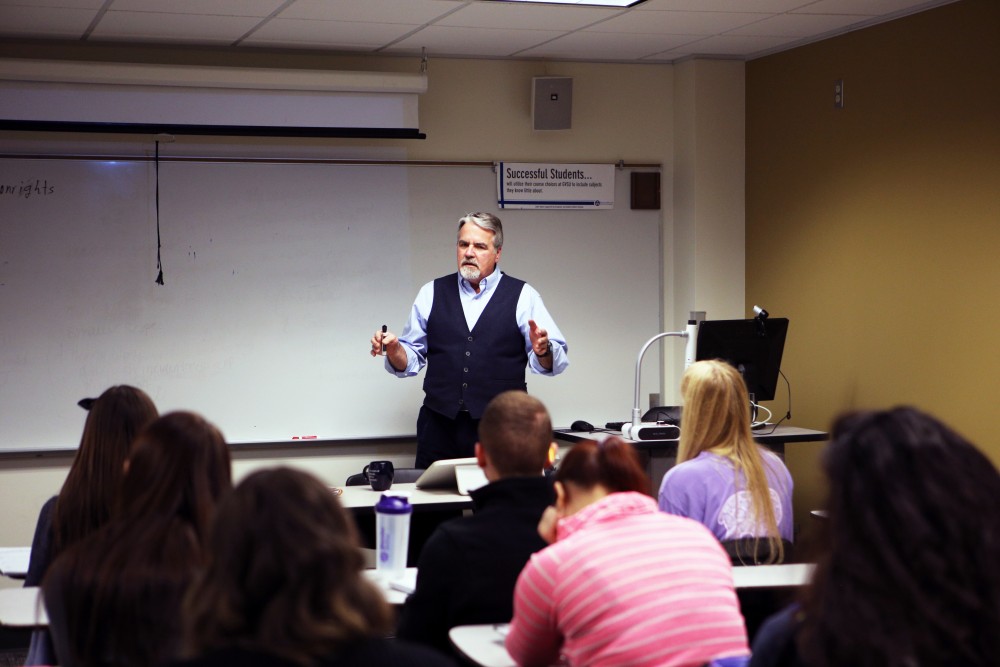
626 584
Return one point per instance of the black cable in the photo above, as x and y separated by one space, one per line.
788 413
159 265
788 385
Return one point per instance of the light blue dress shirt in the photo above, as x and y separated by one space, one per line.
529 307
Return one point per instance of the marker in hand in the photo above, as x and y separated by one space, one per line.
384 329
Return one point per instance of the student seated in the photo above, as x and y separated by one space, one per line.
84 503
468 568
909 573
284 585
114 597
621 582
723 479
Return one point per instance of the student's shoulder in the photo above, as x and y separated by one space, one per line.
443 554
695 467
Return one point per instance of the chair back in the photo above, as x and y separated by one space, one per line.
753 551
400 476
732 661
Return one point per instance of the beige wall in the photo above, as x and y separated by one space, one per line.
705 261
473 110
876 228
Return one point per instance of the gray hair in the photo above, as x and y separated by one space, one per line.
486 221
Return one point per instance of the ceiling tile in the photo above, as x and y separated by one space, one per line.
606 45
179 28
733 45
343 34
61 4
536 17
44 22
863 7
372 11
672 29
798 25
771 6
200 7
677 23
471 42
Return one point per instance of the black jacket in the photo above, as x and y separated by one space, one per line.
468 568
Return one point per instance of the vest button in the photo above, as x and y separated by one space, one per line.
465 370
470 339
465 385
468 354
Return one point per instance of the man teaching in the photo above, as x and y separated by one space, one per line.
476 330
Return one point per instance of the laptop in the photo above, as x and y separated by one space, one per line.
465 475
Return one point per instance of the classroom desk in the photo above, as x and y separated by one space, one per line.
395 589
19 608
484 644
658 456
772 576
14 561
774 440
361 499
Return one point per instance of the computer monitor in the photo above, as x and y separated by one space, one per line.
753 347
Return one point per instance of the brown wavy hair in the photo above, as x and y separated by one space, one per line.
284 574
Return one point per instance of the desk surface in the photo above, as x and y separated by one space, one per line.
482 644
776 436
362 498
19 607
395 588
773 576
14 561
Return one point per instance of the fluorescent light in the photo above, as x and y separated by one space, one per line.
590 3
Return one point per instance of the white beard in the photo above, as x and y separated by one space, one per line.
469 272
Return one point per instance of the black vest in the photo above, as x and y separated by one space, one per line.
465 369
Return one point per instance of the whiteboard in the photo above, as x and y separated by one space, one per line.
275 276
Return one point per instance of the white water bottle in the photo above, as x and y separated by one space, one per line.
392 533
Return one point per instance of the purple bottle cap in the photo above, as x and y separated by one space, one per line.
388 504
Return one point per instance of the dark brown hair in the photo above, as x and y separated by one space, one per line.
114 597
614 464
94 480
284 573
516 432
179 467
910 572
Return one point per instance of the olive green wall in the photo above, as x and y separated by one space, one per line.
876 228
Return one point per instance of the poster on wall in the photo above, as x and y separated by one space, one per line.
563 186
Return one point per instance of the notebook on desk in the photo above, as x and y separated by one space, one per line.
465 475
14 561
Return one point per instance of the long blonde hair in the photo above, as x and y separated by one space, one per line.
717 419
